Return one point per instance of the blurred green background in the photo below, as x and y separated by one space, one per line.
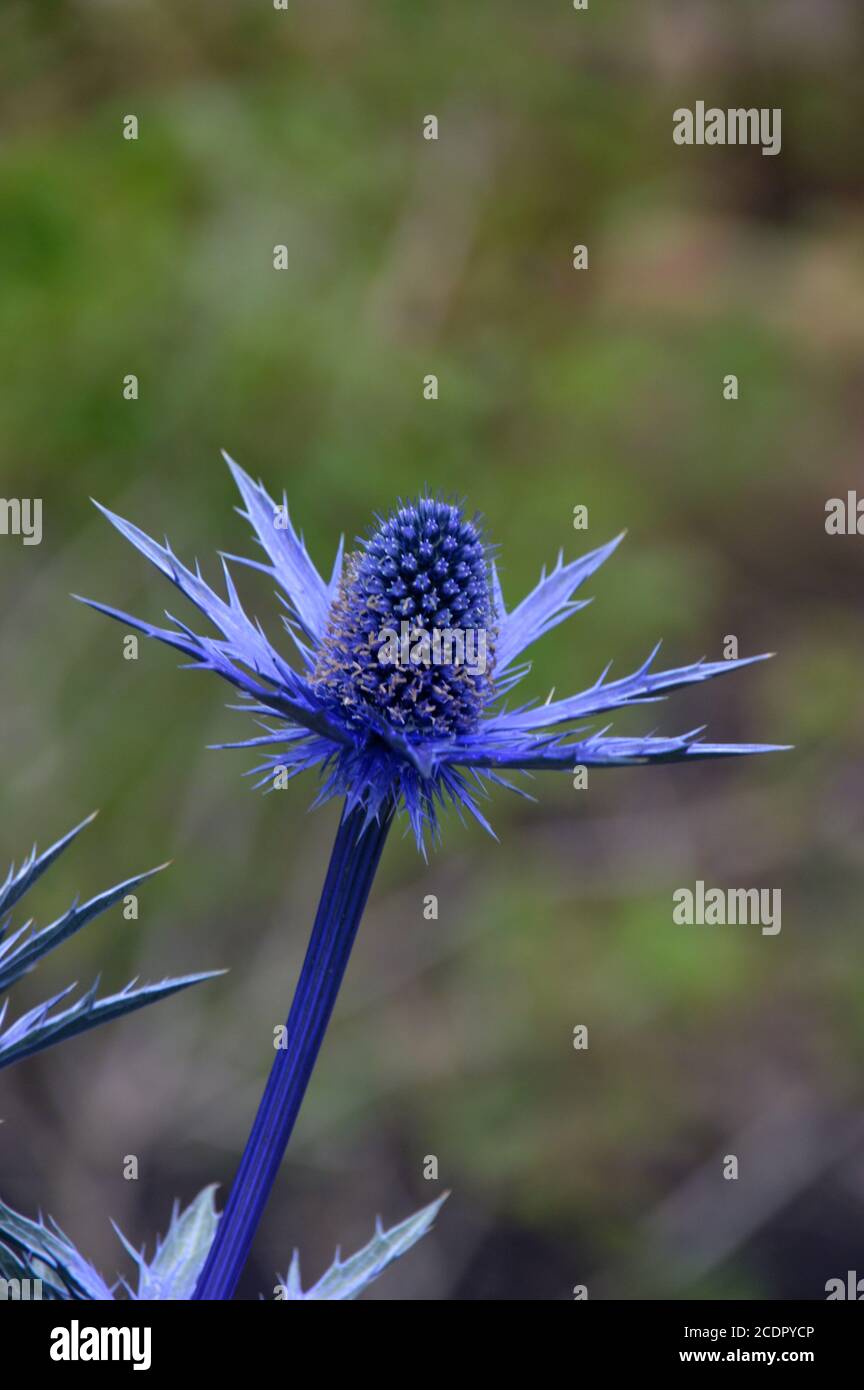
557 387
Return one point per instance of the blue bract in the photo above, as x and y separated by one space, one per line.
407 654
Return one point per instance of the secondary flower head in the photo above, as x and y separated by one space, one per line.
406 656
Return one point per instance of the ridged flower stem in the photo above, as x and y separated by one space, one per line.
353 863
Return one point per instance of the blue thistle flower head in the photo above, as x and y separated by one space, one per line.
423 571
406 657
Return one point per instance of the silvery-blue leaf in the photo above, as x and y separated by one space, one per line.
346 1279
19 880
21 949
174 1269
40 1028
31 945
32 1250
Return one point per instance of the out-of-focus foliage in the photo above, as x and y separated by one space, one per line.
453 1038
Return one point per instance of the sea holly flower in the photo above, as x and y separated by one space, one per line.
424 735
58 1018
388 733
39 1256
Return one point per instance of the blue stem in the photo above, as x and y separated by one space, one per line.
352 867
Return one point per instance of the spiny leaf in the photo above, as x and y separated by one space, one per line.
37 944
173 1271
18 881
32 1250
40 1028
22 949
346 1279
